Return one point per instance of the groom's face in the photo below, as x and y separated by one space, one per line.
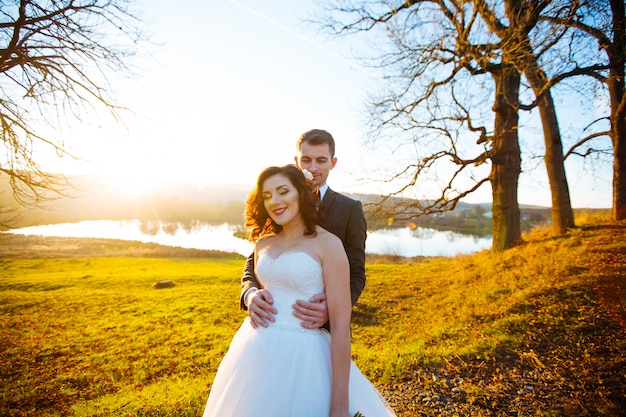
317 160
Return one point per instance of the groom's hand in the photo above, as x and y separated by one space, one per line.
313 313
260 308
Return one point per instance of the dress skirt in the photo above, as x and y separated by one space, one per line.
283 371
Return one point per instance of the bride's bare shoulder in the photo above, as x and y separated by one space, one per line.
264 241
327 237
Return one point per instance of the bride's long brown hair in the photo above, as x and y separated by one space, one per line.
258 221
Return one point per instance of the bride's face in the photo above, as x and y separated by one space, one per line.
281 199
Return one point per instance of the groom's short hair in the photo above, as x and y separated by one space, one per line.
317 137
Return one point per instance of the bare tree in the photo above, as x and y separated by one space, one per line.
447 60
603 21
525 56
616 52
503 39
56 58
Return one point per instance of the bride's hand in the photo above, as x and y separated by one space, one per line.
313 313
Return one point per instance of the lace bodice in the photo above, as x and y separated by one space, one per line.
293 275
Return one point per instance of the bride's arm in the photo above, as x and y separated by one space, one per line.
336 271
259 301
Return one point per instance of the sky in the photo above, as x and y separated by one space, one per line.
228 86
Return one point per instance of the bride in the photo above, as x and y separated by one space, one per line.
285 370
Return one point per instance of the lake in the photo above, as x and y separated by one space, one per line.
400 241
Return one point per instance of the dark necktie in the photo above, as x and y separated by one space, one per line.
318 199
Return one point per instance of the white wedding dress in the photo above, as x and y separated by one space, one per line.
284 370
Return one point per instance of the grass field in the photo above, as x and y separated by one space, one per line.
93 335
537 330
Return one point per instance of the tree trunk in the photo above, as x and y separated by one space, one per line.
618 108
618 128
506 160
562 213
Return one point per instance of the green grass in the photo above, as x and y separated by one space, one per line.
93 337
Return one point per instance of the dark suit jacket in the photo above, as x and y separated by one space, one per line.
345 219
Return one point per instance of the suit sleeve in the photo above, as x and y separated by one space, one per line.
248 280
356 233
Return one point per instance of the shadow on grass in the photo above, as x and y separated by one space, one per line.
569 360
34 287
365 315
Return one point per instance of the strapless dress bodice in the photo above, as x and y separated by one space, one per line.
291 276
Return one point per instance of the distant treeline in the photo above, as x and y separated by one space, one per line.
174 209
474 221
94 198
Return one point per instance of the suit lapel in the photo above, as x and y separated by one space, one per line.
329 198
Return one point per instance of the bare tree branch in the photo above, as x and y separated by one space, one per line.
55 61
572 149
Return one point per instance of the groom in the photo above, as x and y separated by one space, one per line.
343 217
